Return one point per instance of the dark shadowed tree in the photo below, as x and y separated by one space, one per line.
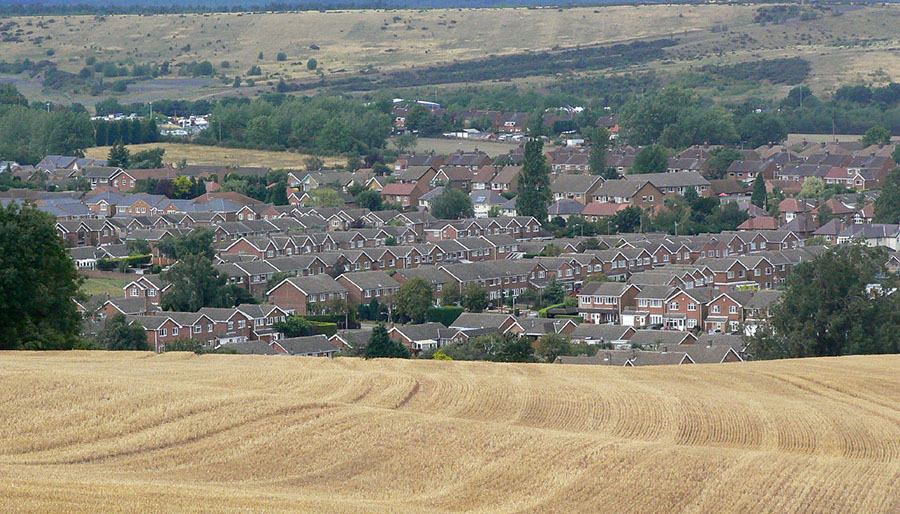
118 334
382 346
452 204
839 303
652 159
534 182
38 283
414 299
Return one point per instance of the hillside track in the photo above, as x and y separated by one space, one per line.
137 432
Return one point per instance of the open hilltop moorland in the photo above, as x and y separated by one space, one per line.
362 50
136 432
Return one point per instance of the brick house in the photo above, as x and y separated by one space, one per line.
306 295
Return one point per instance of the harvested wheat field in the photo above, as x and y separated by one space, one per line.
135 432
216 155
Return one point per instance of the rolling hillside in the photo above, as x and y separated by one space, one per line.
363 49
105 432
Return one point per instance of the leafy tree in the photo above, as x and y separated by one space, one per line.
628 219
38 282
825 215
511 348
313 163
452 204
813 187
721 159
405 142
887 205
195 284
281 56
839 303
277 194
550 346
895 155
876 135
534 182
146 159
118 156
596 277
759 196
369 199
554 292
599 145
312 64
758 129
137 247
414 299
295 326
450 296
475 298
198 242
10 95
382 346
118 334
651 159
646 118
324 197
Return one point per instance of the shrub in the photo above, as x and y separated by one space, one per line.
445 315
325 328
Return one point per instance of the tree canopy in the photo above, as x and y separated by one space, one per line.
414 299
382 346
839 303
452 204
534 182
38 283
117 334
651 159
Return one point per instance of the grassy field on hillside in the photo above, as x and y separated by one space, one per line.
136 432
201 154
112 286
860 45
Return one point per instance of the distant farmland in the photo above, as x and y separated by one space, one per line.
201 154
135 432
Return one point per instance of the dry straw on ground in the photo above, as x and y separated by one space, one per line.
129 432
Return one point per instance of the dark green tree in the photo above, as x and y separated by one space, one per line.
534 182
628 219
118 156
452 204
876 135
720 161
312 64
295 326
146 159
599 145
475 298
758 198
369 199
887 205
414 299
197 242
757 129
195 284
839 303
118 334
382 346
38 283
651 159
550 346
554 293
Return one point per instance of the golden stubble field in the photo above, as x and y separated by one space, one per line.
215 155
135 432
